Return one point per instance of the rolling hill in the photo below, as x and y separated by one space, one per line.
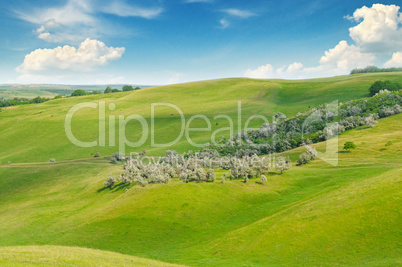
352 212
36 133
316 214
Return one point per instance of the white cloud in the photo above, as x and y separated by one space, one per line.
78 19
244 14
123 10
343 58
88 56
73 13
294 70
235 13
262 72
338 60
44 34
295 67
395 61
379 29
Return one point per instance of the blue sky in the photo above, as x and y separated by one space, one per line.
162 42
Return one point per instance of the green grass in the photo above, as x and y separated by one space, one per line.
317 214
35 133
70 256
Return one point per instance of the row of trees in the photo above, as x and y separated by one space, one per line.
316 125
196 167
239 154
125 88
80 92
22 101
108 90
371 69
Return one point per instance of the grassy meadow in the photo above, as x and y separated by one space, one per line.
36 133
352 211
312 215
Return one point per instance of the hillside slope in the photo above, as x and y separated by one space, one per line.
36 133
315 214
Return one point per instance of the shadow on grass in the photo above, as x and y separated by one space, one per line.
115 188
343 152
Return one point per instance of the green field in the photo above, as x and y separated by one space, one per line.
312 215
350 212
36 133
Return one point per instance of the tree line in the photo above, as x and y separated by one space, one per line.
239 155
108 90
16 101
371 69
313 126
22 101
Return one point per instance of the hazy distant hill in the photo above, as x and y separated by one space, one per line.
9 91
14 87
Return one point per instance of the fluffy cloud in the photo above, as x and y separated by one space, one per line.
338 60
395 61
343 57
378 31
262 72
379 28
295 67
88 56
294 70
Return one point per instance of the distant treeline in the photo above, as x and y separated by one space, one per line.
108 90
62 92
22 101
370 69
79 92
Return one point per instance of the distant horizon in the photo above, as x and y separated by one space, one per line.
154 85
65 84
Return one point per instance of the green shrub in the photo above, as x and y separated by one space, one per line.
349 145
377 86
